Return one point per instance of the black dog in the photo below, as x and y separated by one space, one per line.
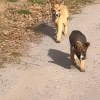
78 47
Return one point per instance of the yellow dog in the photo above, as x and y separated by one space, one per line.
59 17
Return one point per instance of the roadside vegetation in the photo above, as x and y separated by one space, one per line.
12 0
40 2
18 20
23 11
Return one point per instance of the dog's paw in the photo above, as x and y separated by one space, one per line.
73 63
65 33
57 41
82 70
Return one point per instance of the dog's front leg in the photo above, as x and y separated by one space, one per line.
60 28
65 28
82 67
56 28
72 56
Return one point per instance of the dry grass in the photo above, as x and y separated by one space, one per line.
76 5
16 24
12 0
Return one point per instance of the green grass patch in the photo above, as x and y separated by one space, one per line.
23 11
12 0
40 2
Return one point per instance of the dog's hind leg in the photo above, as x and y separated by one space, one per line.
65 28
59 33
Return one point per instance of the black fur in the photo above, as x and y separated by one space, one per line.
78 44
77 36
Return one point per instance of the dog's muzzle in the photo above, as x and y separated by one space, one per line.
57 15
82 58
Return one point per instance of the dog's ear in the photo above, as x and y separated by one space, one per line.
61 3
86 44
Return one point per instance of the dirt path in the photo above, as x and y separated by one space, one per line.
46 74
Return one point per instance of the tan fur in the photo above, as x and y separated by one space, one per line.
61 21
82 67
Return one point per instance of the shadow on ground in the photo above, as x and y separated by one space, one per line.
60 58
46 29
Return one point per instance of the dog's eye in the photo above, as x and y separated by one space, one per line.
58 10
53 10
78 53
83 52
